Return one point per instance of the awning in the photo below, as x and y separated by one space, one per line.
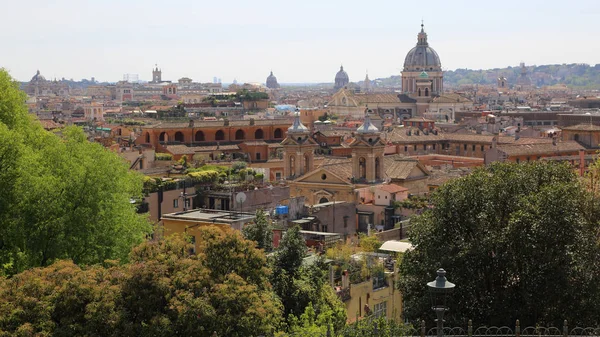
396 246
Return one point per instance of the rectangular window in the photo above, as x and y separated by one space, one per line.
192 244
433 146
405 148
481 147
188 203
324 228
465 147
473 147
277 175
257 155
175 203
415 147
424 147
380 309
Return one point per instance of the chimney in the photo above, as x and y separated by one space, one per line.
494 142
345 279
554 140
252 121
191 123
517 135
417 132
226 122
581 162
409 132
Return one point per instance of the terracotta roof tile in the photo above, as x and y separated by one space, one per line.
399 167
582 127
392 188
539 149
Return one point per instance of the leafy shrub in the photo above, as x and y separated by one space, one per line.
163 156
204 176
239 165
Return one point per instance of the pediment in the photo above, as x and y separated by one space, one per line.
342 98
305 141
322 176
362 142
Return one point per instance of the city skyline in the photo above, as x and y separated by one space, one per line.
300 43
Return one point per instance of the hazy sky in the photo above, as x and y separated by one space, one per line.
301 41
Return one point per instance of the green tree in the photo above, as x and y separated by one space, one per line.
13 111
260 231
62 196
514 240
302 286
369 243
164 291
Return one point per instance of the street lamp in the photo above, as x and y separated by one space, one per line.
439 290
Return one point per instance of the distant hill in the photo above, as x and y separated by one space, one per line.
580 76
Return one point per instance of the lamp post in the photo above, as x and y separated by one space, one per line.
439 290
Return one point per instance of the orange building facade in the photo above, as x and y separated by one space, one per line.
198 133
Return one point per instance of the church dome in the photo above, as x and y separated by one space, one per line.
422 57
298 127
272 82
342 75
367 126
38 78
341 79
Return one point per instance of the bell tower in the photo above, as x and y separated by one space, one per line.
156 75
298 149
367 154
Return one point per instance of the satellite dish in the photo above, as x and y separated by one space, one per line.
240 197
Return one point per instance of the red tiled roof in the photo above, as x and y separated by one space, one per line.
392 188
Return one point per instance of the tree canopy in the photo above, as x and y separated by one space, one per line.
260 231
515 241
61 196
164 291
309 303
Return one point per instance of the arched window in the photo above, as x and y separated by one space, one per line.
419 91
323 200
377 168
220 135
306 162
179 136
147 137
163 137
277 133
259 134
362 168
426 91
292 166
239 135
199 137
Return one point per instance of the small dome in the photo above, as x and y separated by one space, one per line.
272 82
341 79
38 77
342 75
367 126
297 127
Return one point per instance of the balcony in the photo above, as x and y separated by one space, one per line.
343 294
